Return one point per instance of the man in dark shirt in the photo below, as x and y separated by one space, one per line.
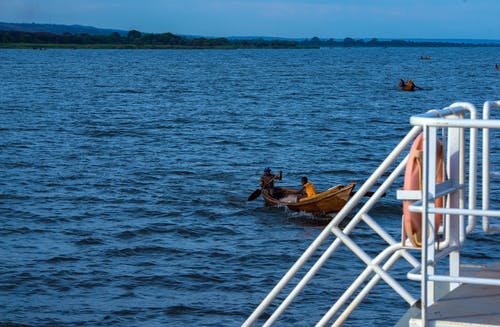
267 180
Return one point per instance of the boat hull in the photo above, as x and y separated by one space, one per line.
331 200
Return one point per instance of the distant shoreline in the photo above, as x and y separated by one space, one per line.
69 46
138 40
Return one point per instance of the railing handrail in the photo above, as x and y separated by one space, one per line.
339 217
350 206
426 271
428 122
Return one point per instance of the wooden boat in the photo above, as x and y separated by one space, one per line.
331 200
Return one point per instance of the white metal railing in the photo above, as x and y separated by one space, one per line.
454 211
351 225
487 228
451 120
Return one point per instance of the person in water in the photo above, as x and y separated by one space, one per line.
402 84
308 189
267 180
408 86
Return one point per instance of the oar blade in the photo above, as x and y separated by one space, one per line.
367 194
254 195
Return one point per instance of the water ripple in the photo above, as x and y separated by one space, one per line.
123 196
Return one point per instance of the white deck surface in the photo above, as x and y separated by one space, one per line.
467 305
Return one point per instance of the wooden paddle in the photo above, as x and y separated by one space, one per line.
368 194
258 191
255 194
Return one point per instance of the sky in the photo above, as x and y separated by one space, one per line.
394 19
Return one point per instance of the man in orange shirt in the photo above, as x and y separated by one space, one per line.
307 189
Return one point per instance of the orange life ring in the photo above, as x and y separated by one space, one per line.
412 221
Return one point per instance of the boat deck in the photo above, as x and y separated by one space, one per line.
468 305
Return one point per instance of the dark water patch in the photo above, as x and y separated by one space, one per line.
143 212
6 287
338 172
78 232
90 284
305 219
188 232
19 164
197 310
130 190
126 235
139 251
89 241
126 312
56 260
15 145
157 281
130 91
220 254
137 284
388 208
179 310
151 230
49 221
126 295
207 214
148 263
147 231
182 121
22 230
181 172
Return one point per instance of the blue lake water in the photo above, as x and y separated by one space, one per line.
125 175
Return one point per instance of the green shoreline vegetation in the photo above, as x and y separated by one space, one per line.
137 40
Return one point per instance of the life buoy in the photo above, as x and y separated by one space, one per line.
412 221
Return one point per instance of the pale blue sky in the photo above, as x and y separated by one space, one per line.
444 19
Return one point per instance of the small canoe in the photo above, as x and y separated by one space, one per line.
331 200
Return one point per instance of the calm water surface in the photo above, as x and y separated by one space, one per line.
125 174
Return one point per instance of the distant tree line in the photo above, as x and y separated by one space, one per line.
136 39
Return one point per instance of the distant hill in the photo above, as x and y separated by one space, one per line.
58 29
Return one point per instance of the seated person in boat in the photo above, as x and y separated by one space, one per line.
308 189
267 180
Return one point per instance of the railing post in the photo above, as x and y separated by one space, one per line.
454 223
487 106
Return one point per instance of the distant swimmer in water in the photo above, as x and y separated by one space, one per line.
408 86
402 83
497 66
